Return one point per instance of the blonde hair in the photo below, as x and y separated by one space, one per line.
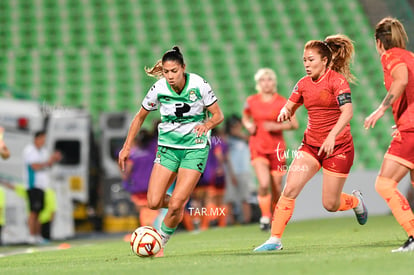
339 50
156 70
265 72
391 33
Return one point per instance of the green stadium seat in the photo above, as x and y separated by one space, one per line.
103 46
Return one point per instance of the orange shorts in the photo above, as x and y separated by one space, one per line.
276 163
139 199
339 163
401 149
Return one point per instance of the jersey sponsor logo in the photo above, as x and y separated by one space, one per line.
181 108
212 94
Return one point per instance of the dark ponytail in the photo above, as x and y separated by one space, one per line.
171 55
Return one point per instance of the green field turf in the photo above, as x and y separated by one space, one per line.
329 246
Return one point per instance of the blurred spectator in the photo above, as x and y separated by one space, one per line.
4 151
37 162
2 211
45 216
240 177
137 173
214 174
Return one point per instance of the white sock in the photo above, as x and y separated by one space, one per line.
164 238
273 240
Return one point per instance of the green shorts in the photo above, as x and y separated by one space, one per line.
173 158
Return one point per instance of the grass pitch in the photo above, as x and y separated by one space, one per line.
329 246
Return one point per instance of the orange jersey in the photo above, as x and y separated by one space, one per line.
403 107
261 111
320 99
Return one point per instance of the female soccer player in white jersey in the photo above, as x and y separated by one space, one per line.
184 100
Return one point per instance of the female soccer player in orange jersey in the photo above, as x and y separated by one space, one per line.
266 142
327 141
398 66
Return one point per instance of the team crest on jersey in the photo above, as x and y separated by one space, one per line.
193 95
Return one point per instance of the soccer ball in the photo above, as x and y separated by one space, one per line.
146 241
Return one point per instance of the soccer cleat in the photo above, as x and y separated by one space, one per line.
32 240
265 223
360 210
271 244
407 246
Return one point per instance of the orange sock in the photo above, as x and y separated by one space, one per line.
348 202
205 217
264 204
283 213
398 204
222 218
187 221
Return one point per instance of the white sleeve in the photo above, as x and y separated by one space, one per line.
28 155
151 102
209 97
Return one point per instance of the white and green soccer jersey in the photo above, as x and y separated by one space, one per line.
180 113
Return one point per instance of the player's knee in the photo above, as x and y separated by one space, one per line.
263 190
175 206
331 205
384 185
290 193
154 204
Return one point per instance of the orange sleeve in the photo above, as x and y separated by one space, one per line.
296 95
246 107
390 61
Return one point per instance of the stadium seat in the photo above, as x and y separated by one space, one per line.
101 47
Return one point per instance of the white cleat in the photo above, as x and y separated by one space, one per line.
271 244
407 246
361 211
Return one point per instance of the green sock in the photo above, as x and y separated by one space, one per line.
165 229
166 233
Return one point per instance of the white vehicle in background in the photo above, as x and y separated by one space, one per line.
68 131
119 212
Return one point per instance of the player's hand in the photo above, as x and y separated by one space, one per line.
372 119
57 156
251 128
123 157
327 146
284 115
201 129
